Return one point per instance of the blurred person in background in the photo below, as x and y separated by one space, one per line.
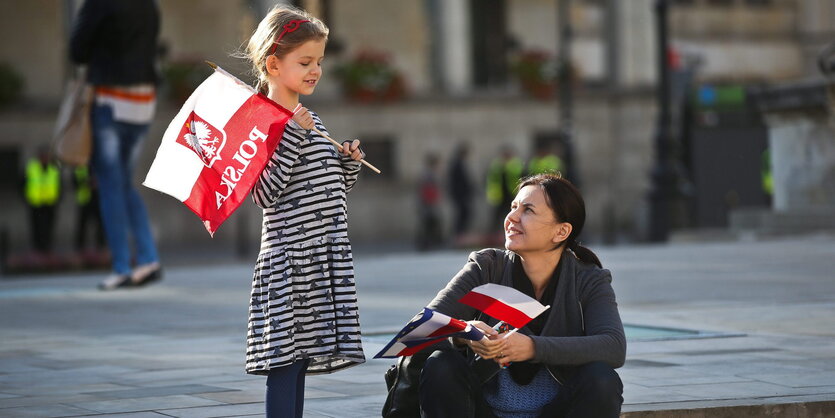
460 190
88 217
429 205
42 191
503 175
117 40
544 161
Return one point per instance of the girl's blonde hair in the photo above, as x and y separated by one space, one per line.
261 43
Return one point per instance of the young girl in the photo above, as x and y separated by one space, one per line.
303 313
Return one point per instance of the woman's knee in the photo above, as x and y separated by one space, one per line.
446 386
443 366
599 379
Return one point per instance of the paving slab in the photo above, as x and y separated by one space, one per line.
229 410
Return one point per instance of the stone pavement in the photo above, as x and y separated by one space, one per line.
765 311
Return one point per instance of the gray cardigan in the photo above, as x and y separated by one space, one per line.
583 323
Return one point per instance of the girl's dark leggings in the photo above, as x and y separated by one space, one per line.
285 390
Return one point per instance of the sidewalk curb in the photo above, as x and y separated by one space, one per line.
761 407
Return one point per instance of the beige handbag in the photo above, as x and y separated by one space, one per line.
73 137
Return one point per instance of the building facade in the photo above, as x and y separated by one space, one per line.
455 60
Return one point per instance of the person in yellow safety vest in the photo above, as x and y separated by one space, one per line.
86 197
42 192
765 174
502 177
544 161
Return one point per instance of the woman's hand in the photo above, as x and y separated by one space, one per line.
488 347
352 149
489 332
517 347
303 117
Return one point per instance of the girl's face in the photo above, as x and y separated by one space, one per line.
298 71
530 226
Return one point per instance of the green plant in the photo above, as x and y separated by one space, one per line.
369 76
11 85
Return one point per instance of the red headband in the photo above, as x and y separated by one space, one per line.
288 28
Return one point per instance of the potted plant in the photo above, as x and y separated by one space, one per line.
369 77
537 72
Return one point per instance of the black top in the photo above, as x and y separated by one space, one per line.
523 372
582 325
117 39
460 186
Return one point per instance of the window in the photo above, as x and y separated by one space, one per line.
379 151
10 176
490 42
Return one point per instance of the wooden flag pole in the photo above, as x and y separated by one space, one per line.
339 147
337 144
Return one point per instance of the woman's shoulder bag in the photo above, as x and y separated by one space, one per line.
73 137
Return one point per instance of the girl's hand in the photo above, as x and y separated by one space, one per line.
517 347
352 149
489 347
303 117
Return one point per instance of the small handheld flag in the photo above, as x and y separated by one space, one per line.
504 303
425 329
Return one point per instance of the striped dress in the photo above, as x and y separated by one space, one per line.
303 302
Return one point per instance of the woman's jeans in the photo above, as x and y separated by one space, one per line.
285 390
116 146
449 388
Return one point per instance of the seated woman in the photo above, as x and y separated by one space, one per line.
562 363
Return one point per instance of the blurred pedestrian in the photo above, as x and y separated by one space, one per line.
544 161
460 190
766 176
42 191
429 233
502 177
303 315
88 219
117 40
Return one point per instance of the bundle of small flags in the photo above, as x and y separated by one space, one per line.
429 327
425 329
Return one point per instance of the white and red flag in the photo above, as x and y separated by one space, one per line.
425 329
504 303
216 147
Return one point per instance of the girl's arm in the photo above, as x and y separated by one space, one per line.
604 339
276 174
351 168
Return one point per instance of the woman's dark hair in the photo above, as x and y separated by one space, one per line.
568 206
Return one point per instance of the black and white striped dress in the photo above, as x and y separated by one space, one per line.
304 302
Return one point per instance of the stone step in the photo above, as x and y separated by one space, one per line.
815 406
766 221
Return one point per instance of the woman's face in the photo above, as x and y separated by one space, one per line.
531 225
